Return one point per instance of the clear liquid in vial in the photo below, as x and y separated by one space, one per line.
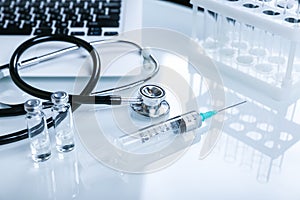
40 149
65 140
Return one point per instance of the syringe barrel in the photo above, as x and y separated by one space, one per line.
160 131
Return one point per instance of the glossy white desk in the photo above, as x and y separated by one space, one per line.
256 157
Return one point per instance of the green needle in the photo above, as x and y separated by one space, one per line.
210 114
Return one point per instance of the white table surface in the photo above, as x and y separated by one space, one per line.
237 168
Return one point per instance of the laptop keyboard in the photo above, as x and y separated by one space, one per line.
77 17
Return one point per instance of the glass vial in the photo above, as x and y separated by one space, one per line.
37 130
63 122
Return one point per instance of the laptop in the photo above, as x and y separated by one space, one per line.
90 20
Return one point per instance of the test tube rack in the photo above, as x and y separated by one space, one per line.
253 41
260 140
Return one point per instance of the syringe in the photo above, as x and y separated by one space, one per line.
176 125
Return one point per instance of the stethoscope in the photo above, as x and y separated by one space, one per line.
150 101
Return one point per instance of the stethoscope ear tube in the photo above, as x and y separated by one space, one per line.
14 110
42 94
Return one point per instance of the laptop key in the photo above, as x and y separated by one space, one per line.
60 24
25 17
46 24
5 4
8 10
55 17
114 11
40 31
79 33
40 11
108 23
69 11
65 4
94 31
49 4
94 5
103 23
30 23
77 24
54 11
99 11
101 17
78 4
93 24
13 24
20 4
27 27
40 17
35 4
84 11
8 17
114 17
63 31
112 5
72 17
111 33
14 30
24 11
85 17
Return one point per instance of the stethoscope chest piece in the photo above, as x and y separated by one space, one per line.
153 102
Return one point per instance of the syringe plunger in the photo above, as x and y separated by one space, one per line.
158 132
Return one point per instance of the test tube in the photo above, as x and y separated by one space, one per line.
210 31
264 168
241 44
298 9
247 159
231 149
226 51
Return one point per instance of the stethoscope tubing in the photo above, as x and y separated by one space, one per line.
14 74
42 94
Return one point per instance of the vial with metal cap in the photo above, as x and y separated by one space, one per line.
63 122
37 130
